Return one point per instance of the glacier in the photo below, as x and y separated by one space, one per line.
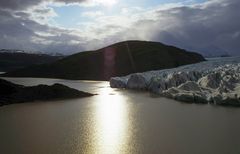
215 81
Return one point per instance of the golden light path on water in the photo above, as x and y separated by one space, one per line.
115 122
112 122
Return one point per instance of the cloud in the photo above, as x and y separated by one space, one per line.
209 28
92 14
20 32
24 4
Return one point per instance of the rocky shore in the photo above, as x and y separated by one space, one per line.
216 81
11 93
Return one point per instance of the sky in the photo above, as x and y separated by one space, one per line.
210 27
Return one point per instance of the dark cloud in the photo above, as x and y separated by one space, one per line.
70 1
18 4
24 4
212 28
17 32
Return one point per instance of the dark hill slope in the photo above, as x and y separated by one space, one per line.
11 61
116 60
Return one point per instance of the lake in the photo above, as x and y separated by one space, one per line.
116 122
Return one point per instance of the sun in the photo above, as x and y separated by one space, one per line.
107 2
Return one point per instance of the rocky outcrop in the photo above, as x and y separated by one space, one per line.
219 83
12 93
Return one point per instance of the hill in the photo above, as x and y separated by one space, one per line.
11 93
10 60
116 60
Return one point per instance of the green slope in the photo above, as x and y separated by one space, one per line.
116 60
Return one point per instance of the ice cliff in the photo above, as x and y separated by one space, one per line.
215 81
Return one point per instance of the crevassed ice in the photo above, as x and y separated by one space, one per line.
214 81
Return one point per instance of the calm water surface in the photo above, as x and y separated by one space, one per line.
116 122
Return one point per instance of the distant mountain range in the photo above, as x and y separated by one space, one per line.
15 59
30 52
115 60
213 51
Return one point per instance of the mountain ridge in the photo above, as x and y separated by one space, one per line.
12 59
114 60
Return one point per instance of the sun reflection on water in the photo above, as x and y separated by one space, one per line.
111 116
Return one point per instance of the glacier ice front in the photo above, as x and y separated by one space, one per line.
215 81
